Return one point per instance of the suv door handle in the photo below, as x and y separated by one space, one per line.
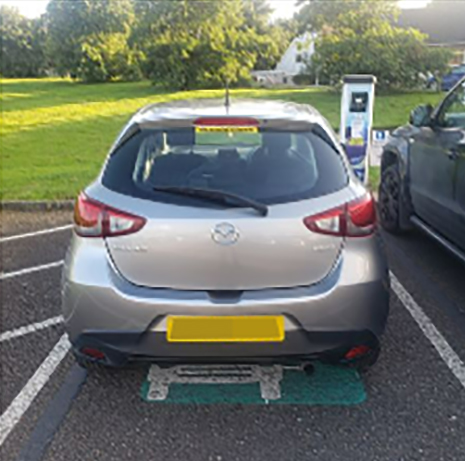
453 154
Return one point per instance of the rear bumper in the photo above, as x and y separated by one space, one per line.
121 348
103 310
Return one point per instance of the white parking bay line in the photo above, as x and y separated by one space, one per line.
29 270
29 392
450 357
32 328
34 234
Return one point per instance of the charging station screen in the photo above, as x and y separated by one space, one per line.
359 103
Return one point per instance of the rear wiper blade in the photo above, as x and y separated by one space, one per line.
214 196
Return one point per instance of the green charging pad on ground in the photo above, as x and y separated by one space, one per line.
328 385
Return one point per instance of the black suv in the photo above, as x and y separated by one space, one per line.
423 173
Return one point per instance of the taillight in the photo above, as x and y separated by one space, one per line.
354 219
93 353
226 121
357 352
361 217
94 219
331 222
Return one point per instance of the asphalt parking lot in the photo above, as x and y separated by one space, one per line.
53 410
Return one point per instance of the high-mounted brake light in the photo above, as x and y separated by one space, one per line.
226 121
94 219
354 219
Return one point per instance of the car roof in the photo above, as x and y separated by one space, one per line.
260 109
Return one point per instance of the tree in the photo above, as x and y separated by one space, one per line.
257 14
365 40
22 44
270 46
269 41
199 45
188 44
106 57
314 15
89 39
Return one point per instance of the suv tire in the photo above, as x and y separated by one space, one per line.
391 204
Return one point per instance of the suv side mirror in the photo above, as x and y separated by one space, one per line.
421 115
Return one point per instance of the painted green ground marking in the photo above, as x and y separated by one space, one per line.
329 385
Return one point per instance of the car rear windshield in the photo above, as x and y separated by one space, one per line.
268 166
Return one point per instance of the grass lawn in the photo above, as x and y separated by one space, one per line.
374 178
56 133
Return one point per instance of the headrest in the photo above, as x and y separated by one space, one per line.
185 137
276 141
228 155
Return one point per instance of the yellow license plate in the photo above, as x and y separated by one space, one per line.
225 329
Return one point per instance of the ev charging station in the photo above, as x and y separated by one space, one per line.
358 97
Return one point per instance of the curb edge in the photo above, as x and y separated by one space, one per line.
43 205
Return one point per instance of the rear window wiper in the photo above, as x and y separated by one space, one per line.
218 196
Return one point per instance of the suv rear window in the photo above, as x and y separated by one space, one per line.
267 166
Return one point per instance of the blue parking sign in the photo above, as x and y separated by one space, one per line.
380 136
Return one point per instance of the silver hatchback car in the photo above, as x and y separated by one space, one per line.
226 234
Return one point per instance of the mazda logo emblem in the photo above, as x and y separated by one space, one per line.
225 234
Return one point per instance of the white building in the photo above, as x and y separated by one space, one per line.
292 63
299 52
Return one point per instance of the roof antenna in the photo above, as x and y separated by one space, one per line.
227 101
